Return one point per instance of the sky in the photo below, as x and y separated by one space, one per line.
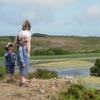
53 17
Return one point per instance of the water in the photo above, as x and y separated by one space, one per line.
71 71
74 72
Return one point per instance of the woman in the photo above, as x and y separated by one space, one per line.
23 48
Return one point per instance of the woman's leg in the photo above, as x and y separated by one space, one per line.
22 79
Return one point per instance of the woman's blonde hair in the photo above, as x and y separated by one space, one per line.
26 25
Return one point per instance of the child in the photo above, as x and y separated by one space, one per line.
10 58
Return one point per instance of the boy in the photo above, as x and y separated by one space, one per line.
10 58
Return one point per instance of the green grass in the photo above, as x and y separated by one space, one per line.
83 55
65 56
65 60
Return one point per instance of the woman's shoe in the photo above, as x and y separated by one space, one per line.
23 84
28 81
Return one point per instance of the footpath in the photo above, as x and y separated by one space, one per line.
38 89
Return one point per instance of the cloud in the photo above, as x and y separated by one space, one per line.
49 3
92 14
37 11
53 3
14 14
94 10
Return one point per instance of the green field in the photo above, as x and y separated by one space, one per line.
65 60
83 55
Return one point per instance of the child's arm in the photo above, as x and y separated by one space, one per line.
14 56
6 54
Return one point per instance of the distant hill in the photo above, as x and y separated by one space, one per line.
39 35
70 44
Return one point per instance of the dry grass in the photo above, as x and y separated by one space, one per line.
90 79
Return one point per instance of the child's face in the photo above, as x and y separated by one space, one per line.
10 48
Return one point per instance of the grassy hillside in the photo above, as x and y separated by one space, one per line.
70 44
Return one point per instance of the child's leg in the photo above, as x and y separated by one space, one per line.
8 72
8 77
12 76
12 71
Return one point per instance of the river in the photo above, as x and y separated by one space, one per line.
69 71
72 71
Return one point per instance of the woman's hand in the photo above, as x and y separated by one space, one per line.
23 65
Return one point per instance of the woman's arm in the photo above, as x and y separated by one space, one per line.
28 45
15 41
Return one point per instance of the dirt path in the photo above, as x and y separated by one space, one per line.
38 89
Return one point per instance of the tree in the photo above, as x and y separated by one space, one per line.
95 70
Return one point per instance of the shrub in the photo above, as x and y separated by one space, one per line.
95 70
42 74
39 35
50 51
2 52
43 52
79 92
2 72
75 90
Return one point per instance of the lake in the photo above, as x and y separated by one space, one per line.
69 71
74 72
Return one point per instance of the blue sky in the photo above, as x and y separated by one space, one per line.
54 17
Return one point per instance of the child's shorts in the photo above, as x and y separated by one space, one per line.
10 69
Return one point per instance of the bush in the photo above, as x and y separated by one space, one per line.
79 92
2 73
43 52
95 70
2 52
42 74
39 35
51 51
75 90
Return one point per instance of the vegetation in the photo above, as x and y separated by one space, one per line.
2 72
80 92
51 51
43 74
39 73
95 70
43 44
39 35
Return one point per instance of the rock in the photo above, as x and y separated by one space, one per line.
38 89
25 95
42 91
